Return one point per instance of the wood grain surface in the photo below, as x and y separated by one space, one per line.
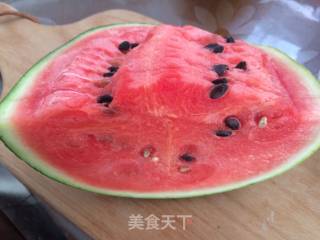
286 207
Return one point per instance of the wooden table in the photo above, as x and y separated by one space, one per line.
286 207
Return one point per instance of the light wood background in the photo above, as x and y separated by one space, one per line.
287 207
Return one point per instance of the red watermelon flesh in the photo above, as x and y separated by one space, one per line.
159 133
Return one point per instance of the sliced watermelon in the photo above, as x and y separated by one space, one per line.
162 112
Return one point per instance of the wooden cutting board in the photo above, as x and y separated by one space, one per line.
286 207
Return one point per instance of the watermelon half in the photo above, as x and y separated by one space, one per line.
162 112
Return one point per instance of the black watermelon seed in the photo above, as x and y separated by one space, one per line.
218 91
187 157
232 123
223 133
108 74
105 99
133 45
113 69
214 47
124 46
230 39
242 65
220 69
219 81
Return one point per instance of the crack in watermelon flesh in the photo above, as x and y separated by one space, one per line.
161 100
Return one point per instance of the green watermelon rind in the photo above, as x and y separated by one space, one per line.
12 140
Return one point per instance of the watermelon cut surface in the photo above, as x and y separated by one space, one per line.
162 112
